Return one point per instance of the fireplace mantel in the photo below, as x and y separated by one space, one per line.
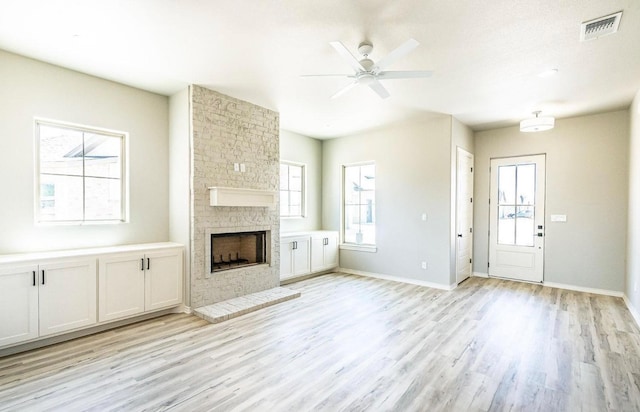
229 196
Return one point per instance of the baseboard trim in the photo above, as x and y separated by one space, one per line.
183 309
397 279
584 289
632 310
480 275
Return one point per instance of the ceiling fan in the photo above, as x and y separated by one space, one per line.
368 72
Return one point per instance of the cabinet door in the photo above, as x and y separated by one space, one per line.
302 256
286 259
317 253
120 285
163 282
67 295
18 304
331 251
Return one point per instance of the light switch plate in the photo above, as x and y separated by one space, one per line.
558 218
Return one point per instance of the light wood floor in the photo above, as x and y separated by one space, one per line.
353 343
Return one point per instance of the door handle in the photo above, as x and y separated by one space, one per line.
43 276
141 263
459 234
34 278
149 263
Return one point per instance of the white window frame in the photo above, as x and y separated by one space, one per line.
303 206
124 179
362 247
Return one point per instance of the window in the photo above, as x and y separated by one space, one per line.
359 204
292 188
80 176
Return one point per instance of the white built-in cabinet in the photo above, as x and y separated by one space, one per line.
324 250
46 298
50 293
303 253
295 256
136 282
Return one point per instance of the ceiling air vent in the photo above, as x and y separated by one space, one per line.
599 27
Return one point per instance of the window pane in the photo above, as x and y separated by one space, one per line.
102 199
507 185
525 226
60 151
367 177
351 223
352 186
284 203
60 198
295 178
506 225
359 207
284 177
526 184
102 155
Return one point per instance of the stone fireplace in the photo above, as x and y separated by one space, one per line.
227 132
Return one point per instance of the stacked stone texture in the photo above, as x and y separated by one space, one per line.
227 131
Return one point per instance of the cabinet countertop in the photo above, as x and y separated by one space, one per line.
71 253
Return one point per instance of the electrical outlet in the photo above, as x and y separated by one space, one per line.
242 168
424 265
236 167
424 217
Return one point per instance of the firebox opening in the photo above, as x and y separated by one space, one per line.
238 249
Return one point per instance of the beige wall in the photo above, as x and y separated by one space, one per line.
587 175
412 177
302 149
632 287
29 89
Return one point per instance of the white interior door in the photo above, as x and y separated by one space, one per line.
516 222
464 214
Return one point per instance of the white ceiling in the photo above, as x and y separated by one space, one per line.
485 55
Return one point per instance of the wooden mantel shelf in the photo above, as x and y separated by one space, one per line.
228 196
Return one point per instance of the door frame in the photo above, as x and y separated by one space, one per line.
544 222
459 151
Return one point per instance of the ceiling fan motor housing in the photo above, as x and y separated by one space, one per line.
365 48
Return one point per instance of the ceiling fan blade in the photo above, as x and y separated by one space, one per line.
404 74
344 89
347 56
351 76
397 54
377 87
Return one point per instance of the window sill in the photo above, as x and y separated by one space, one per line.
359 248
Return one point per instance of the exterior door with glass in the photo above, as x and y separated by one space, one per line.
516 222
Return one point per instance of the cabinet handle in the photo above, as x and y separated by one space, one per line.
148 264
141 263
295 245
34 278
43 276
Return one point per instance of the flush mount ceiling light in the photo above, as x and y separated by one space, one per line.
537 124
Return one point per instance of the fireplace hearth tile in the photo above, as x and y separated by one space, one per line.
219 312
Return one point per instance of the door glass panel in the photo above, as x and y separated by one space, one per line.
526 185
525 226
516 200
506 225
507 185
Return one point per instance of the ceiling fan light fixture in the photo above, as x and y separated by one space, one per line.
537 123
